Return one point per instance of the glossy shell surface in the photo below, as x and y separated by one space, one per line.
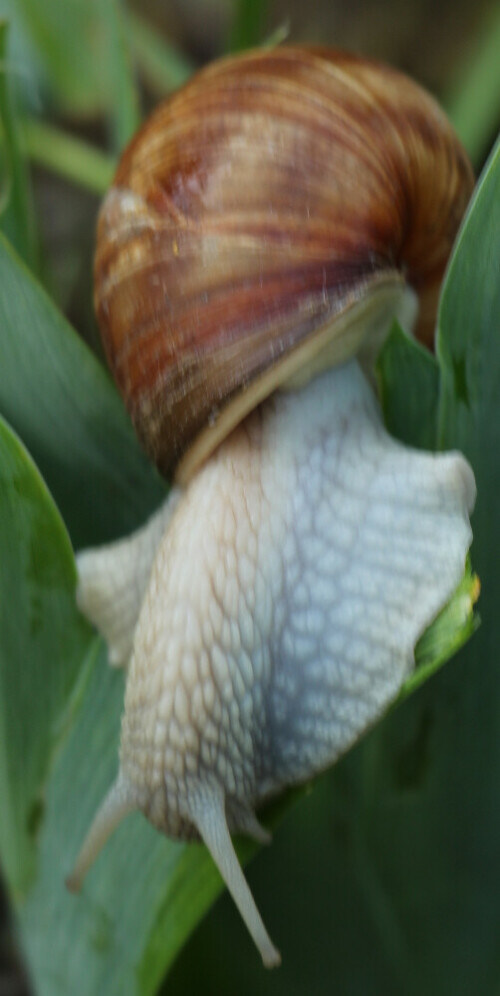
255 208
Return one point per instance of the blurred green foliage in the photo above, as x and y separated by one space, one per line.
248 24
386 877
16 206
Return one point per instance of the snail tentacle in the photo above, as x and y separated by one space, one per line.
118 803
208 814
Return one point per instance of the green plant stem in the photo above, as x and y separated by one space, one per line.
69 157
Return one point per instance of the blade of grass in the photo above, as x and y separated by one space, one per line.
16 210
67 156
473 104
161 64
125 116
279 35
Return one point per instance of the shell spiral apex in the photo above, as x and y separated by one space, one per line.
254 209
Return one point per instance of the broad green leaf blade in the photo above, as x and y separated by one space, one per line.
469 333
469 353
96 942
16 209
63 405
42 639
23 60
408 378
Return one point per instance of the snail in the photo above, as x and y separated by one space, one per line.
263 229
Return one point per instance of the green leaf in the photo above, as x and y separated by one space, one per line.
408 378
452 628
473 102
144 894
469 354
81 48
16 211
23 59
67 41
124 98
65 408
248 24
42 639
468 335
67 156
96 942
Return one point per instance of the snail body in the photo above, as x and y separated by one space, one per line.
270 610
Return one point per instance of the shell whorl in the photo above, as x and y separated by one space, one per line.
261 202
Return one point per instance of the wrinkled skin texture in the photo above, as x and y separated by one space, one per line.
292 582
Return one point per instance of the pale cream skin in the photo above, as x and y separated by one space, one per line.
270 612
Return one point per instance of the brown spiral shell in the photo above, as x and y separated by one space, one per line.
257 205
